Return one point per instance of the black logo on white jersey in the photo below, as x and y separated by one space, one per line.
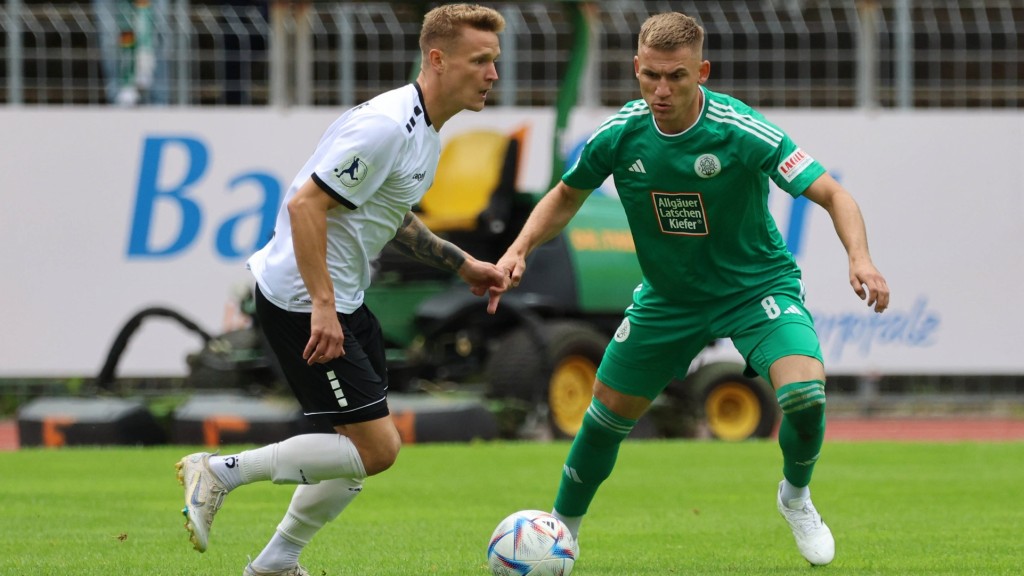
351 172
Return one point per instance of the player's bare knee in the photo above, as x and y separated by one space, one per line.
623 405
381 457
378 451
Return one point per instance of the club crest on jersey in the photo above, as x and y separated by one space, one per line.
351 172
623 332
707 166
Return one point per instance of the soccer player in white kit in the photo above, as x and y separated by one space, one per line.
352 197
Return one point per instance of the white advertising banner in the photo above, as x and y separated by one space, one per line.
108 212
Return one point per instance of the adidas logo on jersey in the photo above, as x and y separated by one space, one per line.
793 310
638 166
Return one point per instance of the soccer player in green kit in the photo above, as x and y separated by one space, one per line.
691 167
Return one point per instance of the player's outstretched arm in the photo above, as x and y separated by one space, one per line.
547 219
866 280
414 239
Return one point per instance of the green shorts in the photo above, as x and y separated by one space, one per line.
659 338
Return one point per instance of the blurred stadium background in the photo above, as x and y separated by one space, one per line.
770 53
922 55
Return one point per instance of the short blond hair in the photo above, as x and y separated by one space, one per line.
669 31
444 24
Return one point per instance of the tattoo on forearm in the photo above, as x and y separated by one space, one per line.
415 240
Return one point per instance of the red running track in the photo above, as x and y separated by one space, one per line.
838 429
925 429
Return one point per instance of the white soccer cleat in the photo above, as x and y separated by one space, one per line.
296 571
813 538
204 495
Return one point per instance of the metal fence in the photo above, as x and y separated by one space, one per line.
771 53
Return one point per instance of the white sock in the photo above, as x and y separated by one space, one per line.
571 522
227 471
279 554
304 459
312 507
791 493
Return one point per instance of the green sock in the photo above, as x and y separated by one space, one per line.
591 458
802 430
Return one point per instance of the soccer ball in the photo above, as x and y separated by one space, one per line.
531 542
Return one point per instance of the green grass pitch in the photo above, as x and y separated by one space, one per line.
670 508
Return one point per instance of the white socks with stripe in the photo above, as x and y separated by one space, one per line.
312 507
330 475
305 459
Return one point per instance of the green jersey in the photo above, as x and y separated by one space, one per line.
697 202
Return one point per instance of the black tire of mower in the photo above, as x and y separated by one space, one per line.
736 384
574 352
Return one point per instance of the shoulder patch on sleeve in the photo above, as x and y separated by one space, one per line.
351 171
795 164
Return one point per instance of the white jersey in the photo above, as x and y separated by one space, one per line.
378 160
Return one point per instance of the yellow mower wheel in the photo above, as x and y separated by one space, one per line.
569 393
733 411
